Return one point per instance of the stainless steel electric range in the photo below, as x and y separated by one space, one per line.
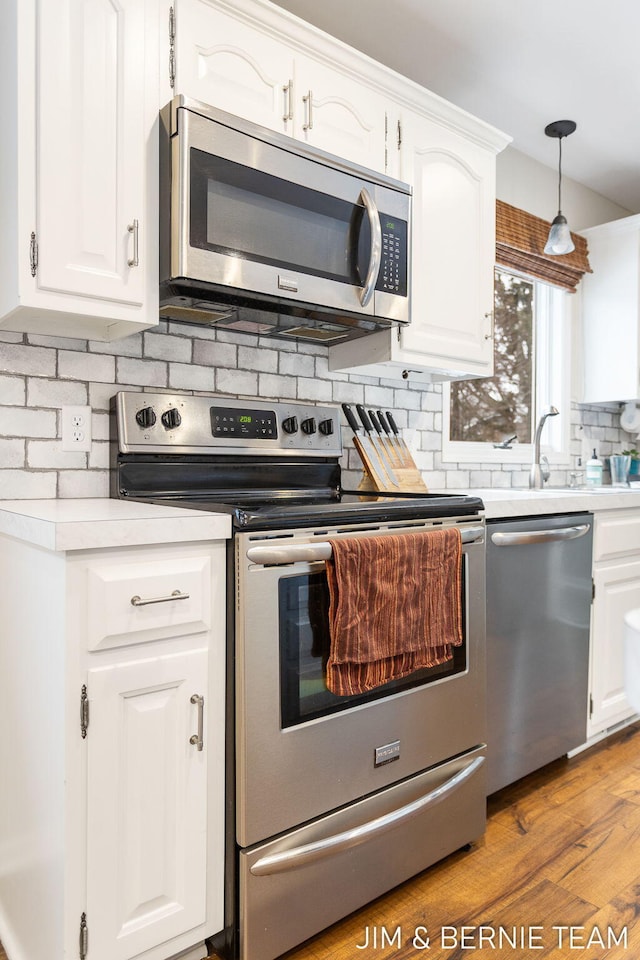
320 821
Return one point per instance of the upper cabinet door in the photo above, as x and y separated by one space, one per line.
453 248
91 148
338 114
230 64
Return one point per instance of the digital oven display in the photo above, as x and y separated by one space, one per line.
245 424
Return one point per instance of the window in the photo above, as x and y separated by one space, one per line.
531 372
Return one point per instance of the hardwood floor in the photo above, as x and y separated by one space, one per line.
561 850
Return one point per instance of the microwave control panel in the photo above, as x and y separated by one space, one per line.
392 277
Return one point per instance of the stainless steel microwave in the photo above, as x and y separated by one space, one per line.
261 233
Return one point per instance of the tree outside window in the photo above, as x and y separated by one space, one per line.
496 408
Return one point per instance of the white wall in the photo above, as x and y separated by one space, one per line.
532 186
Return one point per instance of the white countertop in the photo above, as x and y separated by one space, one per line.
103 522
510 502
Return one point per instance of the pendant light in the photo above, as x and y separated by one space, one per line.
559 240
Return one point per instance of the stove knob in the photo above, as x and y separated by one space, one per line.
326 427
145 418
171 419
309 425
290 425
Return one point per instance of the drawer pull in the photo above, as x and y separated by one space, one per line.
176 595
197 740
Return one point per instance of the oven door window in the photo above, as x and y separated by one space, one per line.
304 650
241 212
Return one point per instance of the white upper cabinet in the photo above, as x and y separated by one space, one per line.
253 60
227 62
610 302
80 232
453 254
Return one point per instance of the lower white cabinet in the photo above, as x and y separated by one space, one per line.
616 581
112 805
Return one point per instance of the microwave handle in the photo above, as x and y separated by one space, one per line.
376 246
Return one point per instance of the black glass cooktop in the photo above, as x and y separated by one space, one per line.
283 511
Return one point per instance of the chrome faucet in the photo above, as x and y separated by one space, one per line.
537 477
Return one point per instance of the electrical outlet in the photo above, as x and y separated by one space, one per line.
76 428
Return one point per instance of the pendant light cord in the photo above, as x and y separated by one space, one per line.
559 174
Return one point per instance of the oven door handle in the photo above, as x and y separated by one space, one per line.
314 552
329 846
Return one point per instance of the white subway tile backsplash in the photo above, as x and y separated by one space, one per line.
86 366
273 385
13 390
190 376
44 392
162 346
27 485
257 358
83 483
40 374
50 455
24 359
27 422
12 453
147 373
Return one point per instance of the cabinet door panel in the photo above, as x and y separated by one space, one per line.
453 248
231 65
147 804
617 591
91 147
339 115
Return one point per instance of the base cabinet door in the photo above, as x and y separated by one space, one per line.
146 803
617 591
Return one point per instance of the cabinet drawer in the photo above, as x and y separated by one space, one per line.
616 535
118 595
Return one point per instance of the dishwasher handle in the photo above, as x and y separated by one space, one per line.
517 538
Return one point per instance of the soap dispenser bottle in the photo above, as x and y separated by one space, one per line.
594 471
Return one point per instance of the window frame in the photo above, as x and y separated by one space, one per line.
552 385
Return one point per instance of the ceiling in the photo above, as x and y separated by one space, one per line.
517 65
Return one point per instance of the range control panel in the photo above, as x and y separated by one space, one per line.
161 422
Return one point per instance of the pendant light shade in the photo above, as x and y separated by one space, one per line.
559 240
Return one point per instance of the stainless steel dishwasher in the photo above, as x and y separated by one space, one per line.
538 613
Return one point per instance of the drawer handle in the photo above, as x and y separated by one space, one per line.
197 740
176 595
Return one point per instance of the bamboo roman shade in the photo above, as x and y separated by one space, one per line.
520 241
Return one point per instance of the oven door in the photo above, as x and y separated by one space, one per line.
301 751
251 213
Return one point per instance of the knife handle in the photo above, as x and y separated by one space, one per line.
351 420
382 420
376 423
392 423
362 413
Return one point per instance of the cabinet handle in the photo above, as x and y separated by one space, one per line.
197 740
490 314
135 260
288 101
308 102
176 595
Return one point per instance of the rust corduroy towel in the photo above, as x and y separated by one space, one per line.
395 606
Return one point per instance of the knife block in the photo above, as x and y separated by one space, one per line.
403 466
